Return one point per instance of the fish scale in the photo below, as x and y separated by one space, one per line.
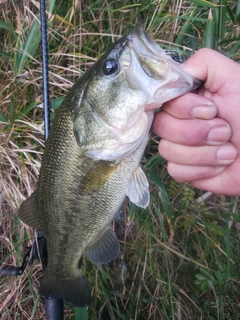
67 198
92 157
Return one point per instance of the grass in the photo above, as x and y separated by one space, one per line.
180 256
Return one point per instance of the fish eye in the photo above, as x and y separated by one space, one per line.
110 66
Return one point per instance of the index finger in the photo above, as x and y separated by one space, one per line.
189 106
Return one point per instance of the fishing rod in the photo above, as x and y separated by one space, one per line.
45 69
53 306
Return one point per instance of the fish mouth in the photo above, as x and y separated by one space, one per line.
142 42
165 79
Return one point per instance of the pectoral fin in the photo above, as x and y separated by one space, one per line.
105 247
138 191
97 176
28 212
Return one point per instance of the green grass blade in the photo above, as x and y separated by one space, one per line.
164 195
81 314
5 54
12 107
4 25
30 46
204 3
8 26
234 50
154 161
227 233
237 11
222 19
230 13
186 28
51 5
209 35
55 104
3 118
29 108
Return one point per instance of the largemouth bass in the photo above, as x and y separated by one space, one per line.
91 159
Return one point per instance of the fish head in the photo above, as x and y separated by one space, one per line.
158 75
123 88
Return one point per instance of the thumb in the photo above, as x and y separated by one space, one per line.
213 68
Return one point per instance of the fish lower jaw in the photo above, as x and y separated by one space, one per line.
122 146
111 155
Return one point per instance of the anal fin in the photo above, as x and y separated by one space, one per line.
28 212
105 247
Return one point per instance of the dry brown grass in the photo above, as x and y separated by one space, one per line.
160 256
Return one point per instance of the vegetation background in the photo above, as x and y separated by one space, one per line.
180 256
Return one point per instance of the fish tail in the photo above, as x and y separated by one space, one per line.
73 290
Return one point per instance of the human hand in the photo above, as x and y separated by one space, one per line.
201 132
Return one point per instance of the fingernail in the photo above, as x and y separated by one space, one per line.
227 152
219 134
204 112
